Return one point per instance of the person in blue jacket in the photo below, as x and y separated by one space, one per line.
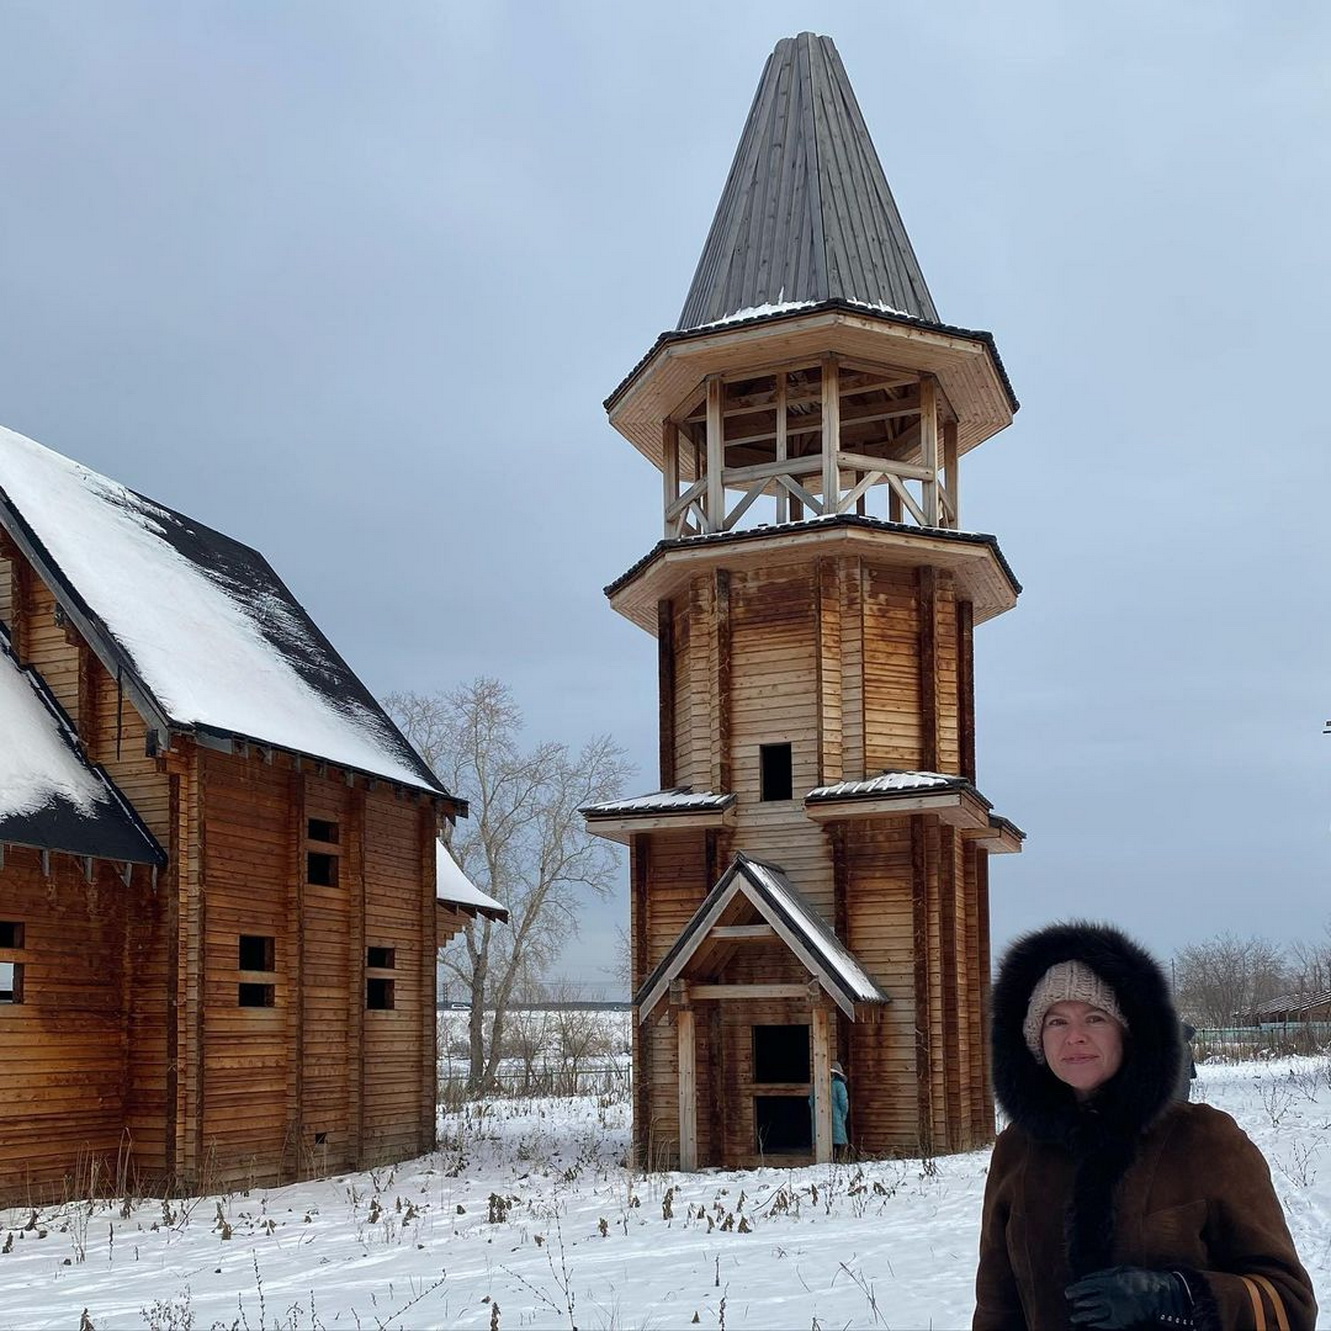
840 1111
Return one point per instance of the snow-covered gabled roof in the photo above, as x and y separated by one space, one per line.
776 900
200 630
50 796
454 888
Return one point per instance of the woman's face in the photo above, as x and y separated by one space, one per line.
1083 1045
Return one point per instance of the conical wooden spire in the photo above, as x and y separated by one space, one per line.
806 214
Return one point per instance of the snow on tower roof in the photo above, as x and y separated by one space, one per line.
199 628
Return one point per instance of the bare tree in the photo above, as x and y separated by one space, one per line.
1310 965
525 842
1220 980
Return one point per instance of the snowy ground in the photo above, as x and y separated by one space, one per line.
526 1217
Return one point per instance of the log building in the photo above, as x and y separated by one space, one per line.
218 863
810 883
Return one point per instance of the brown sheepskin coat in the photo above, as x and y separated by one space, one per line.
1129 1178
1196 1198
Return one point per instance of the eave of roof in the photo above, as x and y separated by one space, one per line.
680 799
785 530
454 889
851 306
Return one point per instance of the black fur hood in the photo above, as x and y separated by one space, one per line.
1029 1093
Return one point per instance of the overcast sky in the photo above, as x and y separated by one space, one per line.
351 281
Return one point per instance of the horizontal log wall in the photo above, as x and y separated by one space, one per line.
316 1082
63 1048
246 868
395 1122
775 699
326 1104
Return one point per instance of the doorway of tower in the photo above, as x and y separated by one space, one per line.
782 1119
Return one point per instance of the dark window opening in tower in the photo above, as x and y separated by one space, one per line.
775 780
780 1055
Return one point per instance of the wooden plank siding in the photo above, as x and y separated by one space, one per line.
63 1049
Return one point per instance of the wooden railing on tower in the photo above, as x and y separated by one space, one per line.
814 440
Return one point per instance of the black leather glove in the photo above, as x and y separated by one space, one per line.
1124 1296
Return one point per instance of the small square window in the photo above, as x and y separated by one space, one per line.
775 781
257 995
11 933
381 958
320 829
11 982
256 953
379 994
321 869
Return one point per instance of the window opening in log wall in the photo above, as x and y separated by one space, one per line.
379 994
321 852
782 1123
780 1054
320 829
321 869
776 781
11 971
782 1057
256 953
381 958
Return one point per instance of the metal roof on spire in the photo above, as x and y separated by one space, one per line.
806 214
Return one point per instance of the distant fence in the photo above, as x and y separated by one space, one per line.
565 1049
553 1005
1271 1039
611 1078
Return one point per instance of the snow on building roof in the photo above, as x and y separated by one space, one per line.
50 797
454 888
679 800
793 919
207 633
887 783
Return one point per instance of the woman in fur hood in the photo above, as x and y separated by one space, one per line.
1109 1203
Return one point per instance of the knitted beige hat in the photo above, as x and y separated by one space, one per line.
1066 981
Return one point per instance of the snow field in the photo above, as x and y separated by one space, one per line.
526 1217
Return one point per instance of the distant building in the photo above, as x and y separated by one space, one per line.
810 883
218 862
1289 1009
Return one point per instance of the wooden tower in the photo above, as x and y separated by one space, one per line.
810 883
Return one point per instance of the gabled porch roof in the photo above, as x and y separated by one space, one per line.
780 908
